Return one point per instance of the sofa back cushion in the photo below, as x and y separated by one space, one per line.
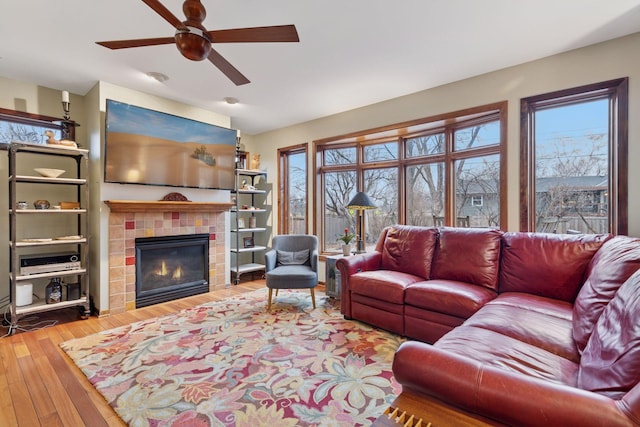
409 249
548 265
469 255
611 266
610 363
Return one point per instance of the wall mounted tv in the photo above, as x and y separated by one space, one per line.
143 146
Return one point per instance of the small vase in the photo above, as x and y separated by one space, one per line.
53 291
346 250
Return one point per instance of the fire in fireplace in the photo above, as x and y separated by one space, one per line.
171 267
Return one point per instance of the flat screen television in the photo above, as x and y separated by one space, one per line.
144 146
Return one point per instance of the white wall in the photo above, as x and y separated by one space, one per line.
605 61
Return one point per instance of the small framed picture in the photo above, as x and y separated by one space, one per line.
248 242
241 223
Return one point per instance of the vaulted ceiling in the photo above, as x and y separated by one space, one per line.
351 53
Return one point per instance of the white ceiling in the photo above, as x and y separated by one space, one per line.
351 52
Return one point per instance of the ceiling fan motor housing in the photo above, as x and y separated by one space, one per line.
193 43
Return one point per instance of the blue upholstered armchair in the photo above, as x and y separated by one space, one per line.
292 263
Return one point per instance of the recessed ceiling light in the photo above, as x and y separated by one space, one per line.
231 100
159 77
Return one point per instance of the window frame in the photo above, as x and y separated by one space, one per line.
401 132
617 90
283 185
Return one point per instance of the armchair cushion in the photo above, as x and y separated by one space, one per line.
293 258
292 277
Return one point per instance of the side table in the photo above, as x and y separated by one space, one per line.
332 276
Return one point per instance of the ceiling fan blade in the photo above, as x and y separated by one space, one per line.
227 69
123 44
165 13
277 33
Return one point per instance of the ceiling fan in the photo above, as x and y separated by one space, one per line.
194 41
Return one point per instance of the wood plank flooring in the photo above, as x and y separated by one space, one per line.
40 386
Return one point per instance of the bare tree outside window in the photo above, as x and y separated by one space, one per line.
429 172
425 193
18 132
381 185
479 180
572 178
340 187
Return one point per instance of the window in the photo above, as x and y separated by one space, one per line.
25 127
293 190
477 201
574 168
446 170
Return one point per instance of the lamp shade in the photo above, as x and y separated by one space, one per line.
360 201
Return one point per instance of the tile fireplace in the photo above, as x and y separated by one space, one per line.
131 220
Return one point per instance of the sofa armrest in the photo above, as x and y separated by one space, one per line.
352 265
504 396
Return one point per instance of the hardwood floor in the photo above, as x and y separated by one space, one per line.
40 386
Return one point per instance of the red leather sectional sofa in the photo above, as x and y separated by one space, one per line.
524 329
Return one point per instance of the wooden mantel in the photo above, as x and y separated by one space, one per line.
136 206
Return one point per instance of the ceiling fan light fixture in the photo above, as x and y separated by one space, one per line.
159 77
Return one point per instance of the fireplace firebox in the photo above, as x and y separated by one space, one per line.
171 267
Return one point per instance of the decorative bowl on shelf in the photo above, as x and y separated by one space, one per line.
41 204
50 173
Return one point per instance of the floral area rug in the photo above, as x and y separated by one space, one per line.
231 363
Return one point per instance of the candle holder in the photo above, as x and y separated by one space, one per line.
66 105
68 126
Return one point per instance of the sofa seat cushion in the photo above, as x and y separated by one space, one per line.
428 326
610 362
292 277
469 255
409 249
549 265
611 266
497 393
384 285
450 297
510 354
378 312
539 321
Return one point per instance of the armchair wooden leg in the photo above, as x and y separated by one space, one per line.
269 302
313 297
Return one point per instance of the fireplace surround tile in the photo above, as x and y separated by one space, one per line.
124 227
